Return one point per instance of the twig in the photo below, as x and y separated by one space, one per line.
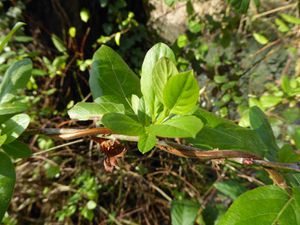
180 150
274 10
192 152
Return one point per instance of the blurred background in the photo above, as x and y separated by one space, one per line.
244 53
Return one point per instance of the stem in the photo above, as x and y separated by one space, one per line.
180 150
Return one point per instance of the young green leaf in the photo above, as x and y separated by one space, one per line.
7 38
181 93
118 38
91 110
15 77
135 101
184 212
84 15
146 142
290 19
182 40
162 71
282 27
58 43
264 205
261 39
260 124
143 113
158 51
179 126
269 101
122 124
17 149
7 182
111 76
14 127
285 84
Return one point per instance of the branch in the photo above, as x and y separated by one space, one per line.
180 150
192 152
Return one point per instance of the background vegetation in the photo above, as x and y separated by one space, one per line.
243 53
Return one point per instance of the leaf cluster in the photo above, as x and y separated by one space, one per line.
12 122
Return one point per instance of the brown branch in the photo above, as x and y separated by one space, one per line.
180 150
192 152
69 134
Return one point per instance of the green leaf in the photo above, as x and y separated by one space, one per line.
17 149
195 26
72 32
261 39
224 134
287 155
182 40
230 188
7 38
141 110
229 138
110 76
181 93
58 43
84 15
282 27
91 205
146 142
179 126
269 101
183 212
296 138
264 206
170 2
12 108
260 124
158 51
162 71
244 6
135 101
290 19
14 127
285 84
2 139
211 120
7 182
91 110
118 38
122 124
240 5
16 77
296 195
143 113
257 3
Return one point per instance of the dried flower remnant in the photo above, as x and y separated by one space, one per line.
113 149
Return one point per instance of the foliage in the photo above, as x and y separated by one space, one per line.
267 205
13 122
241 63
168 111
167 114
